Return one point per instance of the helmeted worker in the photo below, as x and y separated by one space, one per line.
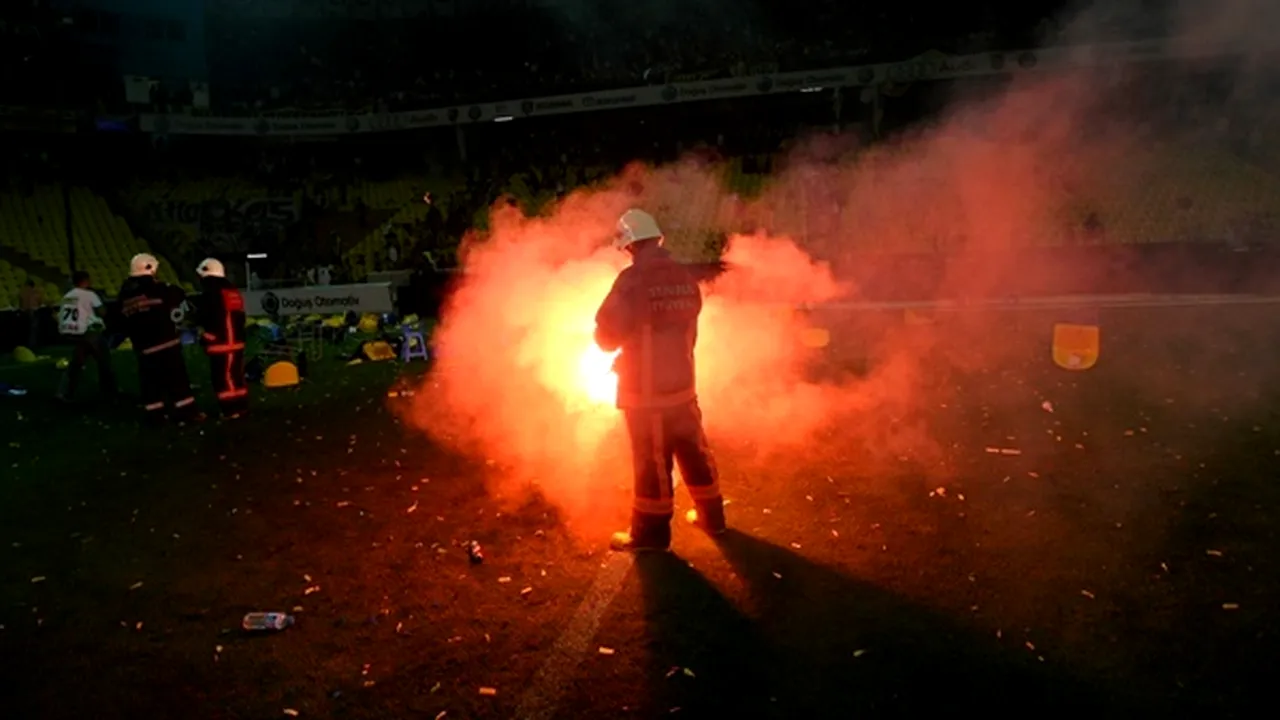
651 315
220 315
152 311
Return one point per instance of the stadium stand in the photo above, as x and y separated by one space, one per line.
11 281
1178 194
34 226
1193 192
1166 195
374 56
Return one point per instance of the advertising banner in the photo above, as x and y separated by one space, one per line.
320 300
929 66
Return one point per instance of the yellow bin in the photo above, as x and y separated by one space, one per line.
1075 347
281 374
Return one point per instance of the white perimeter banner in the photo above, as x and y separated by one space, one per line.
320 300
932 65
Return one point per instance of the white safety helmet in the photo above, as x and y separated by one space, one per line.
143 264
634 226
211 267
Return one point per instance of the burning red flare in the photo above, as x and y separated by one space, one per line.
595 371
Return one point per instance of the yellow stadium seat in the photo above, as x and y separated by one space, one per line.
34 224
378 351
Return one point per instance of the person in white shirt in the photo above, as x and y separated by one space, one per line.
80 320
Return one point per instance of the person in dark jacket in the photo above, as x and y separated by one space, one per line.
152 311
651 316
220 315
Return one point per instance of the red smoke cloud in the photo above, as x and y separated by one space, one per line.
519 382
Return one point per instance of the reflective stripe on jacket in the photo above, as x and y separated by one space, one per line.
220 314
148 307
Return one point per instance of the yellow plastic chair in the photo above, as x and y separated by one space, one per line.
1075 347
378 351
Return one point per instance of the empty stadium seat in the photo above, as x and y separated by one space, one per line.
35 226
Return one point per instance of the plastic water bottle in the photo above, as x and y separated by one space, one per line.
266 621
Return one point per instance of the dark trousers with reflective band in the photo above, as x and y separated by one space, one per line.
227 372
661 439
86 346
162 377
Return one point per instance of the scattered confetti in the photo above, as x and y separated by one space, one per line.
488 691
606 650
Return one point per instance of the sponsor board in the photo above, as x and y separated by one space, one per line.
320 300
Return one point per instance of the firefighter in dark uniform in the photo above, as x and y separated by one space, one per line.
220 315
651 315
152 311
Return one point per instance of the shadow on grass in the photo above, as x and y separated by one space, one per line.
822 644
1212 606
692 628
